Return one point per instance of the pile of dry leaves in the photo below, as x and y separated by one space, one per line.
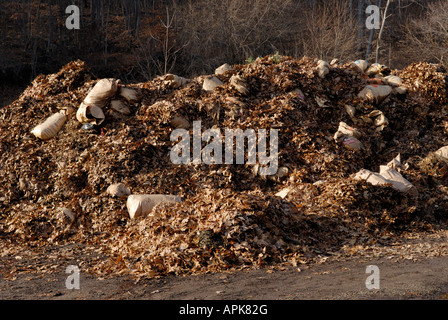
54 191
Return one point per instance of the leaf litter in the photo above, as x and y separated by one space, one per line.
54 192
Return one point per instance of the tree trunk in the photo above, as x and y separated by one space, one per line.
372 31
381 32
106 32
50 28
35 45
361 24
137 17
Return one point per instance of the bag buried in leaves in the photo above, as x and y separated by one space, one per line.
298 93
223 68
175 81
352 144
378 119
442 153
375 93
50 127
371 177
344 131
362 65
129 94
118 190
210 83
89 114
90 109
323 68
101 92
377 69
392 80
388 176
120 107
239 84
349 137
397 180
139 205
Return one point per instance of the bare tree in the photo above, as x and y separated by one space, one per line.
231 31
329 31
106 32
50 26
131 10
428 36
381 31
35 43
361 25
167 48
147 53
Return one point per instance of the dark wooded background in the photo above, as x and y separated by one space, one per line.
136 40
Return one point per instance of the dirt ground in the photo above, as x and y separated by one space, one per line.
413 269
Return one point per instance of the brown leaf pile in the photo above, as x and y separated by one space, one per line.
230 218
